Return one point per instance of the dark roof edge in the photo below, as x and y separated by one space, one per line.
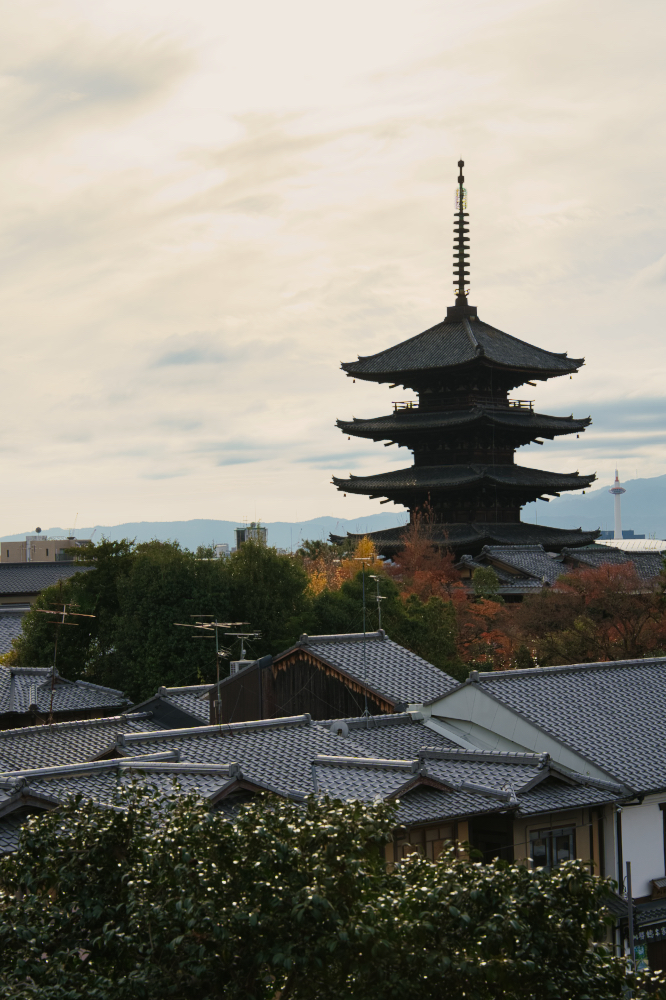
105 720
530 671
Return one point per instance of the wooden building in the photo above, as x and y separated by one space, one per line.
329 677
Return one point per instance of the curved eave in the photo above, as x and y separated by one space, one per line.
456 477
403 426
409 377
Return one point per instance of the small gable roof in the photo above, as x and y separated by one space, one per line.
387 669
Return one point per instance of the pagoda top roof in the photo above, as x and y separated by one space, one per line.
451 344
453 477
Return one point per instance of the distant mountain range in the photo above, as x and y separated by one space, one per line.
643 509
282 534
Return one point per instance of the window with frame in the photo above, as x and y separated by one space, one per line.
549 848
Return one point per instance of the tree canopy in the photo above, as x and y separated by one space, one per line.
158 897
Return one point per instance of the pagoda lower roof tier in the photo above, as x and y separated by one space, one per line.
441 478
410 422
470 538
454 344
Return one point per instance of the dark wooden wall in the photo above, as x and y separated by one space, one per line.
295 684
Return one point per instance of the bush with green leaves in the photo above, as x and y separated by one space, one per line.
160 898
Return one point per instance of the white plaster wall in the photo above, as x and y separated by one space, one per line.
491 724
643 843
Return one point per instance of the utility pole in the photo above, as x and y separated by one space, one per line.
366 713
630 919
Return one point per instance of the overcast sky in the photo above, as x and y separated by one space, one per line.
206 206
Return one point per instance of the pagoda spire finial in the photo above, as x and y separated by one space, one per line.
461 254
461 271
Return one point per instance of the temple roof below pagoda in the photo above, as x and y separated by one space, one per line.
472 537
414 420
454 477
449 345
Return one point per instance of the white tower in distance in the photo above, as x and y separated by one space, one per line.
617 492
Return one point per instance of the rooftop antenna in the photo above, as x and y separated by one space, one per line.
221 652
379 598
60 615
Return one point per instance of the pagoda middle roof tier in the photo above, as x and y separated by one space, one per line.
404 423
454 344
440 478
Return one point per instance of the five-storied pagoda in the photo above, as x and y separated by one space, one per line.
464 429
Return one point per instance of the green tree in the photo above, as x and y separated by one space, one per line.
159 898
486 584
137 593
427 628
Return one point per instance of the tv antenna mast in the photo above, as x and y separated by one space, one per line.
214 626
59 620
378 598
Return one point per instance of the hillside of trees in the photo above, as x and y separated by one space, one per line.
137 594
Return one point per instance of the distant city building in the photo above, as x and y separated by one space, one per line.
221 550
617 490
253 532
41 548
626 533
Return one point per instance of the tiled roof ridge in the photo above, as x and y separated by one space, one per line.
76 723
47 672
188 689
528 546
98 687
476 675
311 640
371 722
225 727
83 765
377 762
498 756
166 761
40 564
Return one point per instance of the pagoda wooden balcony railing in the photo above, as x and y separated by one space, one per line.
405 406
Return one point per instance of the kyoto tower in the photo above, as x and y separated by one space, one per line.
617 492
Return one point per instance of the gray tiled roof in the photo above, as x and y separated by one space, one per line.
439 477
552 795
612 714
30 578
390 670
294 757
10 628
404 423
648 565
390 736
21 687
66 742
449 344
529 559
191 700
